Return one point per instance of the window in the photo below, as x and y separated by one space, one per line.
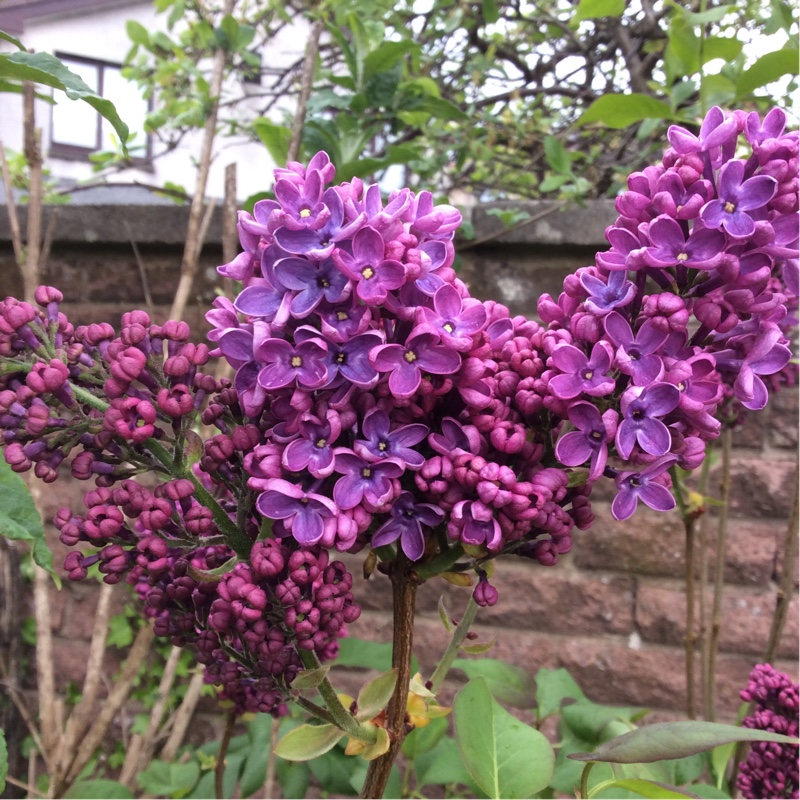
78 130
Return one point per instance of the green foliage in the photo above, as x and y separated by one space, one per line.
46 69
506 683
506 757
308 741
3 761
162 778
97 790
20 519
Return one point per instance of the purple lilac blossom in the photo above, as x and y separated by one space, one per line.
644 486
405 523
641 410
581 374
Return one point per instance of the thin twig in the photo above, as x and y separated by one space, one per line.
148 298
194 241
272 760
122 687
459 634
19 702
28 787
49 234
719 571
81 716
33 153
785 589
11 209
307 79
183 716
44 664
703 581
462 246
32 755
219 772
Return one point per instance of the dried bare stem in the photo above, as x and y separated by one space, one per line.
44 665
122 687
194 242
33 154
148 298
786 588
183 716
219 771
306 81
719 571
11 209
272 760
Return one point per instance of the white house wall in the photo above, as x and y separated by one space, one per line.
101 35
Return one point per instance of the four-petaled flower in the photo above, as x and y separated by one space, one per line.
641 411
382 443
405 363
605 296
407 519
304 514
582 374
644 486
363 480
453 319
590 440
636 355
375 275
736 197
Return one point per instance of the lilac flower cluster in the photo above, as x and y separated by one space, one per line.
247 624
686 315
393 405
771 769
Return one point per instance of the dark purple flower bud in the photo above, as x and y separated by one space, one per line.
484 593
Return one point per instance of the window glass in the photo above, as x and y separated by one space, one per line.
75 122
130 105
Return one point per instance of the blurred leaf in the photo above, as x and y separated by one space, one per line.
20 519
665 740
643 788
137 33
423 740
769 68
553 686
7 37
490 11
310 678
120 632
47 69
507 683
726 48
441 765
173 780
596 9
506 757
98 789
386 56
712 15
621 110
3 761
720 757
275 138
588 720
556 155
369 655
293 778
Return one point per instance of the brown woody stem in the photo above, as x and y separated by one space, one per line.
404 592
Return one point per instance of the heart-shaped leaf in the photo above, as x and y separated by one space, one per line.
666 740
308 742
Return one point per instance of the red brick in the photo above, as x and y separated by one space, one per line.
653 543
783 419
761 488
746 617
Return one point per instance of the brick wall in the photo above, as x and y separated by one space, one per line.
613 612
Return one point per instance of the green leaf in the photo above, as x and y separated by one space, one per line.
386 56
293 777
423 740
665 740
7 37
20 519
120 632
308 742
370 655
310 678
3 761
443 109
553 686
712 15
684 44
375 695
99 789
174 780
507 683
720 756
726 48
490 11
477 649
588 720
47 69
506 757
335 771
230 27
276 138
770 67
596 9
642 787
556 155
441 765
550 184
621 110
712 792
137 33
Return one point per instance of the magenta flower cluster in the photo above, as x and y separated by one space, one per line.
771 769
686 315
377 404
